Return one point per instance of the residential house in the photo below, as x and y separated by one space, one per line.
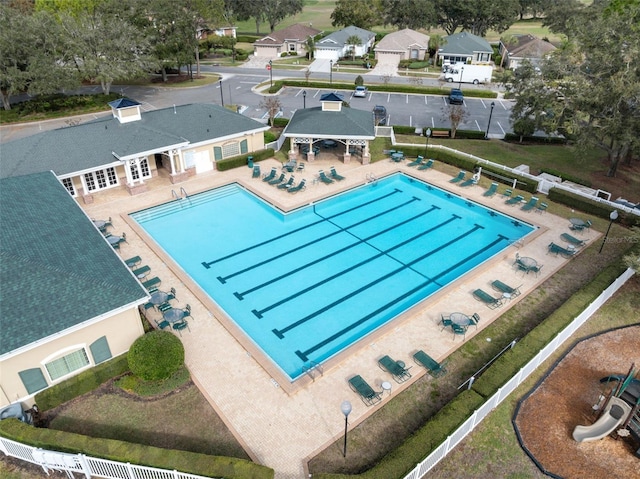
524 47
405 44
334 46
292 39
464 47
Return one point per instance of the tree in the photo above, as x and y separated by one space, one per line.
476 17
353 41
273 106
632 260
155 356
360 13
455 114
271 11
413 14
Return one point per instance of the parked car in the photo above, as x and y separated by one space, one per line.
360 92
380 115
456 97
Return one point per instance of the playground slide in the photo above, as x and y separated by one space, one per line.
616 413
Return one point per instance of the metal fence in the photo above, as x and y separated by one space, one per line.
494 401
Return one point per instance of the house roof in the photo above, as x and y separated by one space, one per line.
123 103
529 46
346 123
339 39
402 40
56 269
297 32
464 43
89 146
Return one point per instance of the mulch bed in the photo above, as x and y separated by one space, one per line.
564 399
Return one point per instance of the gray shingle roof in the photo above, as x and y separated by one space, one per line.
464 43
400 41
339 39
89 146
56 269
347 123
297 32
529 46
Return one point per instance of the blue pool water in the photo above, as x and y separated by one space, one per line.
307 284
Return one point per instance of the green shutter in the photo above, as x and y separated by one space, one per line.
33 380
244 147
100 350
217 153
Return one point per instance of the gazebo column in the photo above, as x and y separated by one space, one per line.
347 152
178 173
366 157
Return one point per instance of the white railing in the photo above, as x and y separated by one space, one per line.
479 414
276 145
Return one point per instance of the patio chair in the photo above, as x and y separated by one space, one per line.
300 186
491 191
474 319
334 174
277 180
132 262
287 184
536 269
541 208
256 172
181 325
426 165
416 162
515 200
271 175
162 324
487 299
459 330
530 205
148 305
366 392
324 178
559 250
469 182
458 178
507 193
445 321
395 368
290 165
166 306
432 366
186 311
572 240
505 288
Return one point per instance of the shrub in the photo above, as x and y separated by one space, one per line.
359 80
156 355
269 137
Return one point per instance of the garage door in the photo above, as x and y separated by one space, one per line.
386 58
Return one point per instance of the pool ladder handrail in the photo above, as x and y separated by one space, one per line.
313 366
371 178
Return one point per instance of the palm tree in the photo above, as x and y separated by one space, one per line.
353 41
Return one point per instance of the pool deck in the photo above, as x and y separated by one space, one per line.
283 426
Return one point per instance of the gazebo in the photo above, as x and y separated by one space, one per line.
331 125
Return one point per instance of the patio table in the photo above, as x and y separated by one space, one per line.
527 263
329 143
397 156
100 224
173 315
112 239
460 319
159 297
577 222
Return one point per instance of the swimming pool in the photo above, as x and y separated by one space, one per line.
307 284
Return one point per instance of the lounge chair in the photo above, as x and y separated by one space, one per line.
541 208
416 162
334 174
141 272
271 175
287 184
459 330
572 240
256 172
515 200
458 178
366 392
300 186
434 368
505 288
531 204
487 299
491 191
151 283
559 250
132 262
507 193
427 165
277 180
396 369
469 182
324 178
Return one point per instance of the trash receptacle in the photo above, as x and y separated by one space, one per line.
250 161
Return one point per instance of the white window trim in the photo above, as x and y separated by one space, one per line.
64 352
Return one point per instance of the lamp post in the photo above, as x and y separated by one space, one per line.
304 98
271 72
493 103
428 135
612 217
345 407
461 73
221 96
330 72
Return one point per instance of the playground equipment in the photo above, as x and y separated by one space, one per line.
620 412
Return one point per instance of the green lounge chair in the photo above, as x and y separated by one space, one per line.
151 283
559 250
366 392
515 200
286 184
427 165
434 368
487 299
271 175
300 186
531 204
132 262
416 162
141 272
459 330
541 208
458 178
572 239
397 370
507 193
491 191
324 178
505 288
469 182
256 172
277 180
334 174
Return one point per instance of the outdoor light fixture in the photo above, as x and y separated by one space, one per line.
304 98
461 73
271 72
330 72
221 97
345 407
428 135
493 104
612 217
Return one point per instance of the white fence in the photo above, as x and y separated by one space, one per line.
276 145
494 401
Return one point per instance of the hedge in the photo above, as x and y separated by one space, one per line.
513 138
592 207
139 454
82 383
236 161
